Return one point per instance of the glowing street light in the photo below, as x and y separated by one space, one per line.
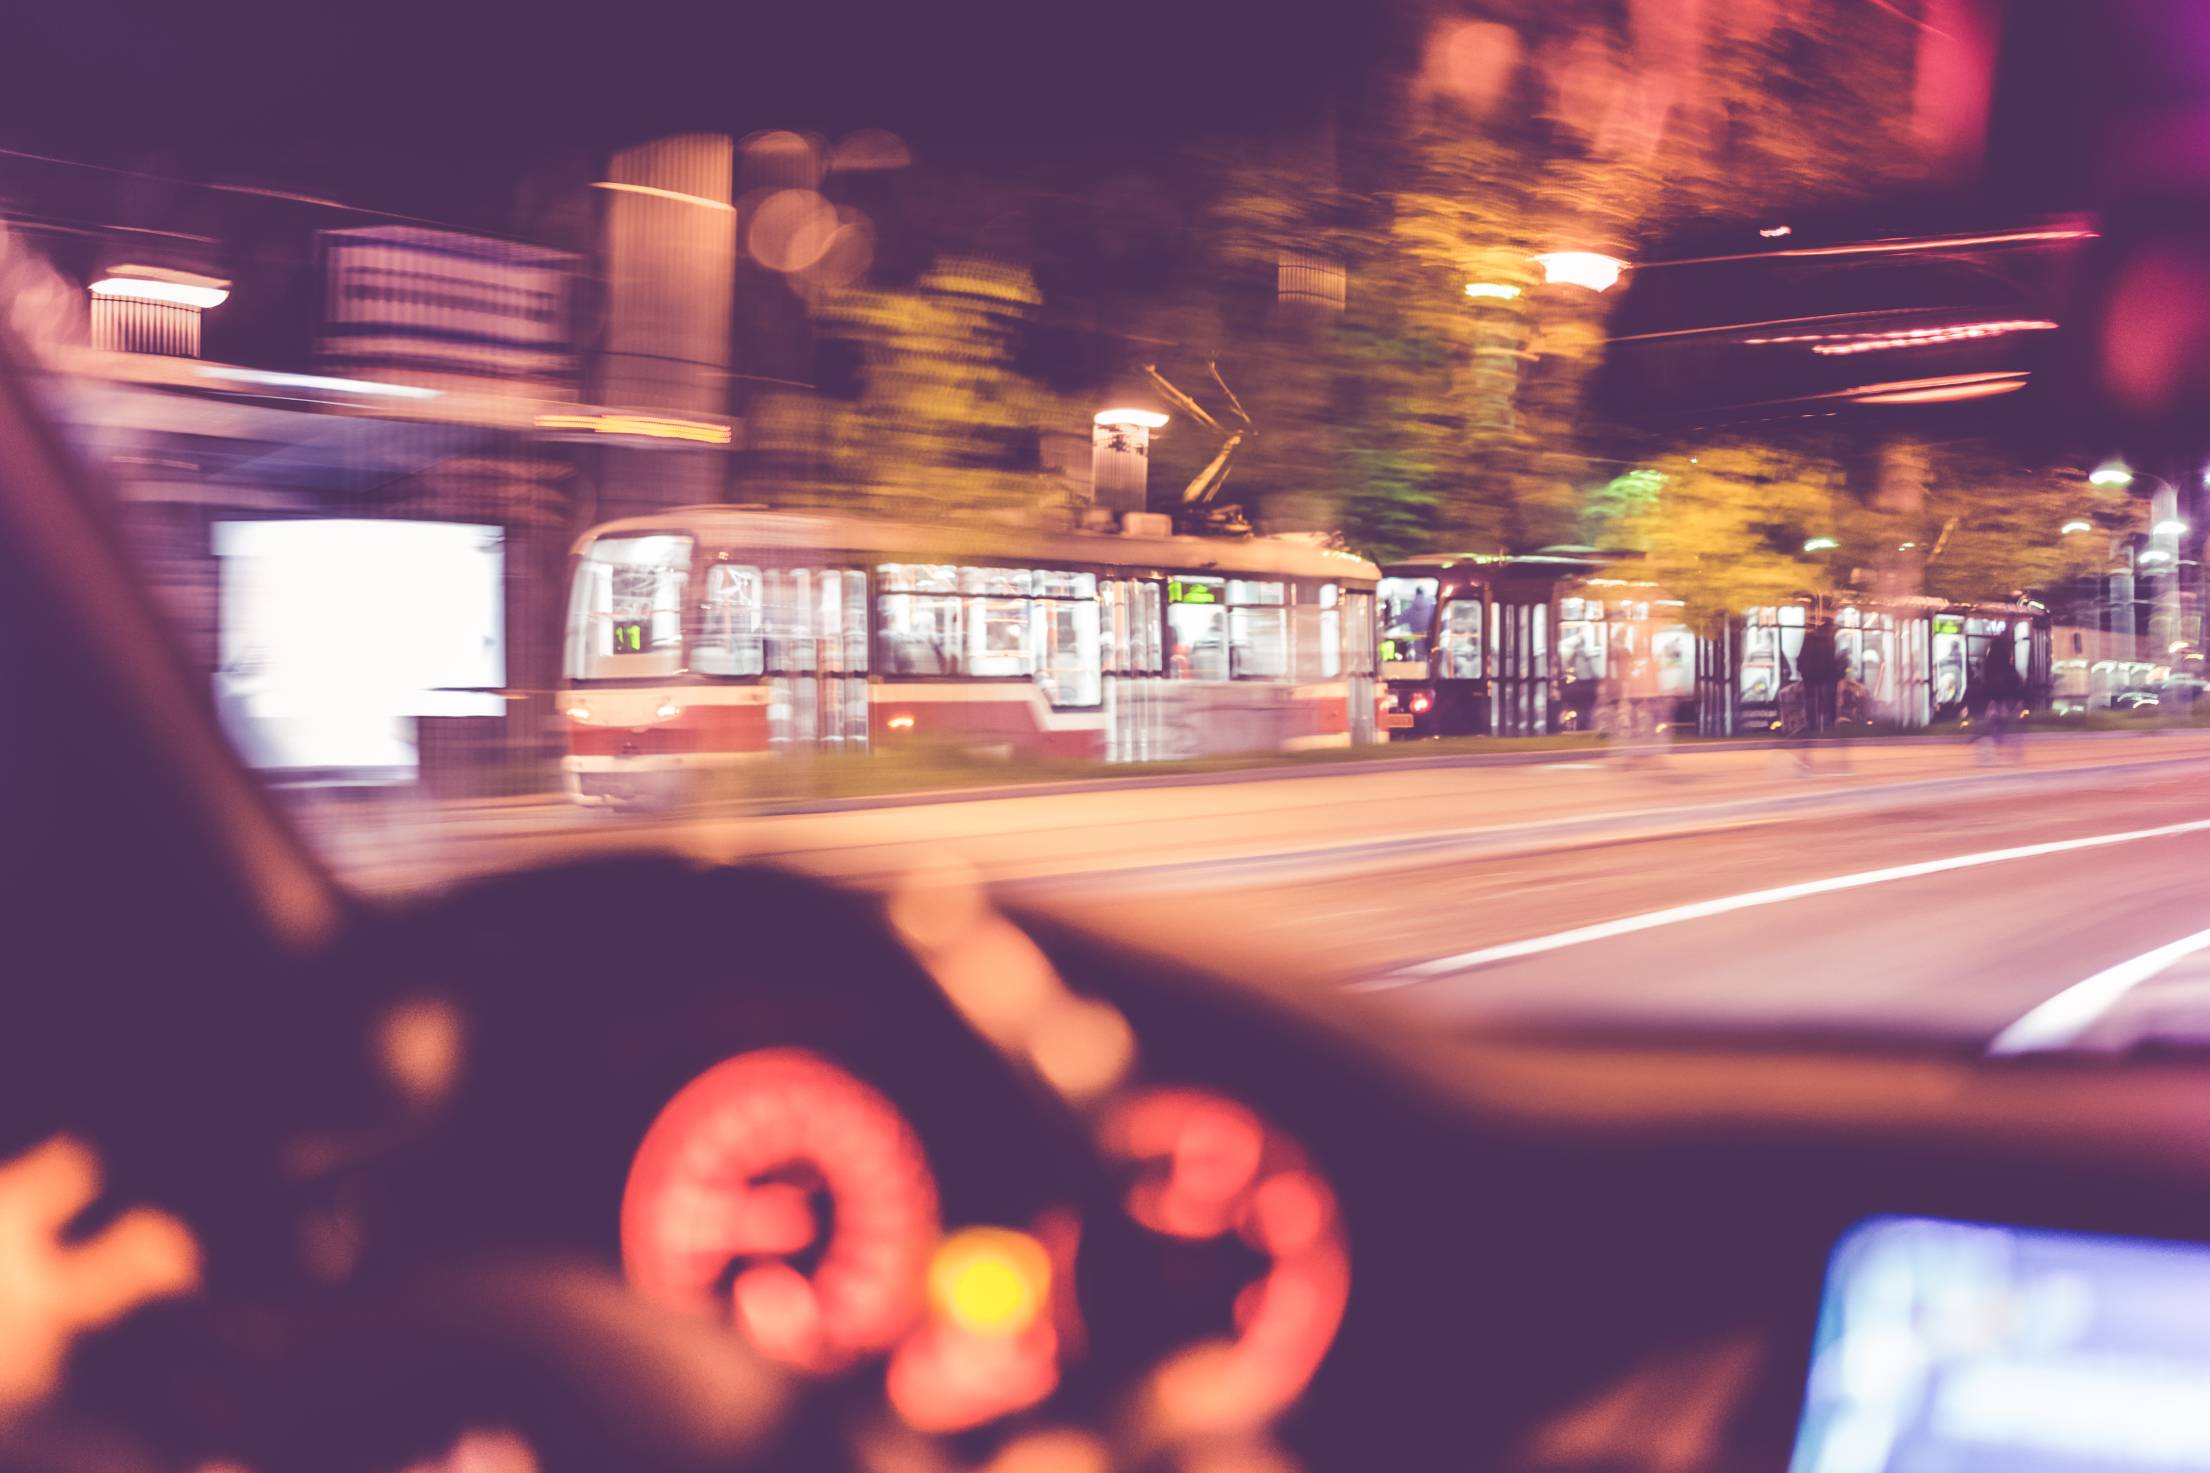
2170 527
1592 269
1820 544
2110 473
1131 419
1494 290
169 288
2075 525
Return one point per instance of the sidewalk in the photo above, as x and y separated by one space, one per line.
1190 831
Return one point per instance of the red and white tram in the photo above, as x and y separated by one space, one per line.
710 636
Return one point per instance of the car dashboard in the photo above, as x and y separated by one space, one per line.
973 1190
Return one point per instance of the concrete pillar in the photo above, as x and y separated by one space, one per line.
670 248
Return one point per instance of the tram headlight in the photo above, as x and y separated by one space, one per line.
579 712
667 710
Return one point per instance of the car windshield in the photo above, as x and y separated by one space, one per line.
1575 525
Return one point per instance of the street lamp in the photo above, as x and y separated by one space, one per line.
1120 457
1131 419
164 288
1493 290
2075 525
1820 544
1592 269
2170 527
2110 473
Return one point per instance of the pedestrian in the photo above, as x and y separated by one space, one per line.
1820 665
1636 723
1852 702
2002 691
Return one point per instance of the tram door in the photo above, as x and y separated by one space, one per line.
817 658
1134 660
1519 688
1360 656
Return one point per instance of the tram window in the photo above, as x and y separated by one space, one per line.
1581 640
1358 632
625 612
920 633
1066 632
791 628
1258 643
729 636
1760 658
1117 626
1675 649
1461 637
1149 649
1137 634
1003 582
1407 617
1197 641
998 637
1258 630
1316 633
855 621
1056 584
1331 631
919 614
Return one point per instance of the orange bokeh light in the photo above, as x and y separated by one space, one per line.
727 1175
1207 1166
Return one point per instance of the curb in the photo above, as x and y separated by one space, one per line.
1228 776
1591 831
1136 781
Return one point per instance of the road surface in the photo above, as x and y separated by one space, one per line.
1916 891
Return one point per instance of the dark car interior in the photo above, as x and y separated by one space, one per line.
409 1141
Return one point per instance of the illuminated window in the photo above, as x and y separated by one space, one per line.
1320 634
1138 633
790 607
1068 663
1258 630
919 610
1358 632
1006 623
1197 629
1461 639
730 633
625 612
1407 607
1331 630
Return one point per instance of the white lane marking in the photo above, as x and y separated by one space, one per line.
1674 915
2063 1018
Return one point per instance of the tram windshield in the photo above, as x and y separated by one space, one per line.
625 613
1407 618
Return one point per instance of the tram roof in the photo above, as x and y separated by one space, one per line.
753 527
1538 564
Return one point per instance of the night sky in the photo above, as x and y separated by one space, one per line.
422 108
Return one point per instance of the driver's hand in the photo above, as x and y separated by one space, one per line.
52 1289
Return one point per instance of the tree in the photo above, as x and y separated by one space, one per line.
1986 527
944 424
1733 527
1574 125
